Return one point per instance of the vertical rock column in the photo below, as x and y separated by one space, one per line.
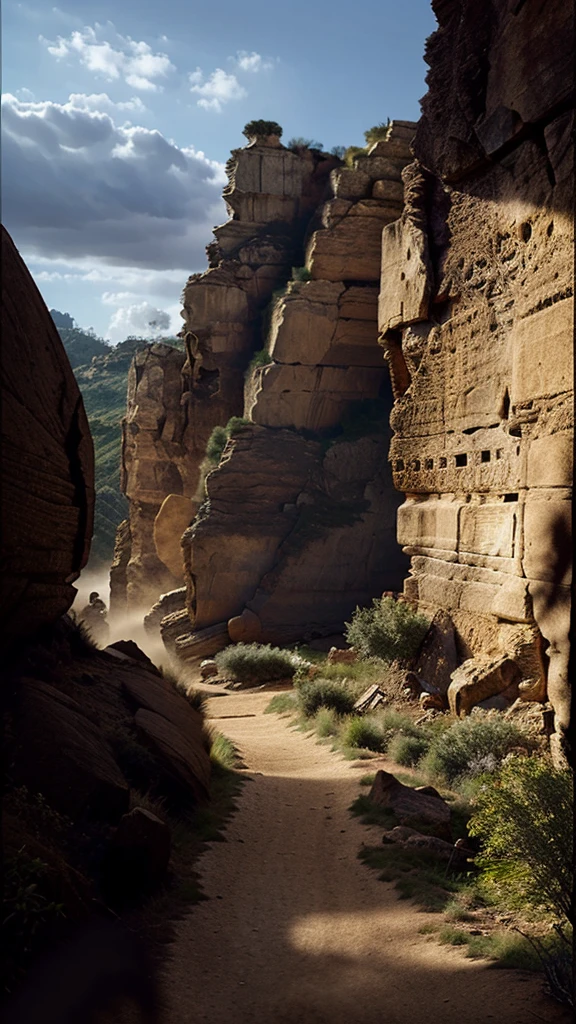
476 321
298 530
176 400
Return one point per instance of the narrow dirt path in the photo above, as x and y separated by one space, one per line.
296 929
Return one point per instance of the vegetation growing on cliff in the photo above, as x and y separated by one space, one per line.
389 630
255 129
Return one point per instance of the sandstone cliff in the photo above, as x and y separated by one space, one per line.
174 400
297 530
475 315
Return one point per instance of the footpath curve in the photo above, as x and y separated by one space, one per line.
296 930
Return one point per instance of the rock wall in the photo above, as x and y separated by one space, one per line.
175 400
476 315
47 462
299 523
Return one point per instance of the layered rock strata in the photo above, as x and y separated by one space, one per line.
299 524
175 400
475 315
47 462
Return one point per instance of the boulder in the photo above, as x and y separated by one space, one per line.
410 806
208 668
183 760
138 856
202 643
174 601
130 650
47 467
64 756
476 680
245 628
337 656
438 658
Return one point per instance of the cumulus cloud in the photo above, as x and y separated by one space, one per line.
139 319
218 89
252 61
77 186
101 102
116 57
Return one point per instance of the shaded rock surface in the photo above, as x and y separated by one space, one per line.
139 854
410 805
47 462
475 273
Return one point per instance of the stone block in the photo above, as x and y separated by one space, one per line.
386 189
512 602
409 805
550 460
488 529
429 524
548 541
477 680
406 276
350 184
542 353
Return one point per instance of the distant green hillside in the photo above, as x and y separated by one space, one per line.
101 371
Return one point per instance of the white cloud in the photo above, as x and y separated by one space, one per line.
139 319
115 58
252 61
101 102
218 89
78 187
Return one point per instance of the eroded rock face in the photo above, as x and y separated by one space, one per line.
47 462
176 399
476 320
296 530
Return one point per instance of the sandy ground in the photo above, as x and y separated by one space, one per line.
296 929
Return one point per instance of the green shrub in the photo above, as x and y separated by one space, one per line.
408 750
523 818
257 663
377 132
220 435
254 128
365 733
260 358
300 143
281 704
301 274
216 445
471 746
327 722
325 693
351 153
235 424
389 630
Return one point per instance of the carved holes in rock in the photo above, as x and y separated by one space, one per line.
499 453
409 254
461 460
399 465
402 276
525 231
442 462
416 464
428 463
511 497
517 449
485 456
550 228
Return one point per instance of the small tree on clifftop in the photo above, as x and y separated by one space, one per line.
261 128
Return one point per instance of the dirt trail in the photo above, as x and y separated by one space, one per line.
296 929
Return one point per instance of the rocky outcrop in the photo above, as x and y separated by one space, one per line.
475 317
47 462
176 399
299 523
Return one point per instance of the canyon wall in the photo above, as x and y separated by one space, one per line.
476 319
176 399
296 525
299 523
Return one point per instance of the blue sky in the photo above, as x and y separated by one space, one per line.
119 117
